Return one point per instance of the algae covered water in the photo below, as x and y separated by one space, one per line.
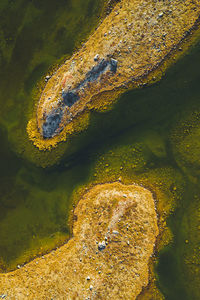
151 133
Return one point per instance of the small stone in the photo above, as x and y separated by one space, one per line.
96 58
88 278
101 246
18 266
115 232
161 15
91 287
47 78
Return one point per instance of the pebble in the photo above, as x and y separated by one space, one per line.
101 246
115 232
96 58
47 78
161 15
91 287
88 278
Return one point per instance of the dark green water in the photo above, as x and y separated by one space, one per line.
34 203
136 135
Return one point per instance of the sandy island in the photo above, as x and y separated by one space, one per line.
114 233
134 39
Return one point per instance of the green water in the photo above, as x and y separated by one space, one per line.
142 137
34 203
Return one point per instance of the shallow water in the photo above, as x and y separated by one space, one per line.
133 140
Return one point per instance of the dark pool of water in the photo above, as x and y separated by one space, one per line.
35 202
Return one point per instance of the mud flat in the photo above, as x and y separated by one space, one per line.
132 41
114 232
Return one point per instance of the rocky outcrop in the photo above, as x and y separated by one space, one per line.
132 41
53 119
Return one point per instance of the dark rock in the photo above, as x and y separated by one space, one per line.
70 98
52 123
97 70
113 65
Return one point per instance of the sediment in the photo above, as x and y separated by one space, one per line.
114 233
133 40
